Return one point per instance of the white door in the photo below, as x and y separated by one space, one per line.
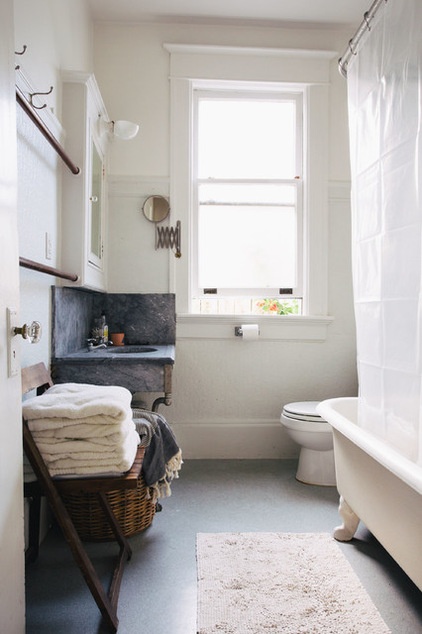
12 600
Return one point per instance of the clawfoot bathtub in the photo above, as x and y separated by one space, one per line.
378 486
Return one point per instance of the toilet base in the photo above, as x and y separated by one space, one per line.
316 467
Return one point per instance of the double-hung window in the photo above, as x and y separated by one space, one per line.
247 201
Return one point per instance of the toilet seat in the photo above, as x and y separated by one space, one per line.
304 411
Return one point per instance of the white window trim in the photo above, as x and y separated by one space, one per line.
271 327
189 64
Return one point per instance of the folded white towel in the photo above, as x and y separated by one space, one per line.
109 440
86 454
101 467
85 448
56 429
81 430
56 422
107 470
83 463
76 388
66 401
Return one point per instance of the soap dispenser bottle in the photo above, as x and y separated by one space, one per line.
104 328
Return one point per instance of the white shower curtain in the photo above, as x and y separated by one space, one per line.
385 103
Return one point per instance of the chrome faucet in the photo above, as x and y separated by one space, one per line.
91 345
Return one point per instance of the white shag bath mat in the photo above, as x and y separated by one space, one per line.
258 583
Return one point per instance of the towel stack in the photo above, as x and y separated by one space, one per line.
83 429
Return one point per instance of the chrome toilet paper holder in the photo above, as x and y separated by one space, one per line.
238 331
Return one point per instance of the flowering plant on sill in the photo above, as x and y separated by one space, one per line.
272 306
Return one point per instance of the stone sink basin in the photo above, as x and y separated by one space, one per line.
130 349
138 352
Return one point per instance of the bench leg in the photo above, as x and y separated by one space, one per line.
125 551
106 602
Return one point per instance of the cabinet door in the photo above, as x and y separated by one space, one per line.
96 205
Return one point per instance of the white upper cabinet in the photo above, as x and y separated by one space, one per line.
84 227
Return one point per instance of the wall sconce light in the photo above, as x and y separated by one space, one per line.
124 130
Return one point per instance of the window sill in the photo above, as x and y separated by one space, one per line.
271 327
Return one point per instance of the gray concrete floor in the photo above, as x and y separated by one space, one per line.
158 593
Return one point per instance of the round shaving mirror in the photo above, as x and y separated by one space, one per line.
156 208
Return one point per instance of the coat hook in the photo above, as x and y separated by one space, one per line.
35 94
17 67
22 51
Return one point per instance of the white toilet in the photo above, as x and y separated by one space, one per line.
315 437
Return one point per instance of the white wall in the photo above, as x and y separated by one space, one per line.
58 36
227 398
12 599
132 69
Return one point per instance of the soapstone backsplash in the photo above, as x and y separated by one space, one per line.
145 318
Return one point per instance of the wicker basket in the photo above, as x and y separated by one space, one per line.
132 509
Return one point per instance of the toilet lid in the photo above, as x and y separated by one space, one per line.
304 410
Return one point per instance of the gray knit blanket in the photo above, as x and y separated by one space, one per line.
163 457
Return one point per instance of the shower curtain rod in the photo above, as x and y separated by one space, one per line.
365 25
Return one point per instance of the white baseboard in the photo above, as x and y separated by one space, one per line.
234 439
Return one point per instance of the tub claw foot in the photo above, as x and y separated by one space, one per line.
346 531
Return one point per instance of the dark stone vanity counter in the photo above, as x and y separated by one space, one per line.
130 354
149 323
138 372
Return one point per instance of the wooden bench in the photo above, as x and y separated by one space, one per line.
37 377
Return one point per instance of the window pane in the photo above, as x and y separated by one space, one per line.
246 247
213 305
246 138
247 193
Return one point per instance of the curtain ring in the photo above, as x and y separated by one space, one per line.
351 49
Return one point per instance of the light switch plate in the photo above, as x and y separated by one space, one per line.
12 343
48 246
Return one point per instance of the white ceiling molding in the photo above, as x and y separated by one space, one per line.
270 13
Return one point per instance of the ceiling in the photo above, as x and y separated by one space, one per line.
313 13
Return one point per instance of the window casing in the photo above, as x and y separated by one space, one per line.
194 67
